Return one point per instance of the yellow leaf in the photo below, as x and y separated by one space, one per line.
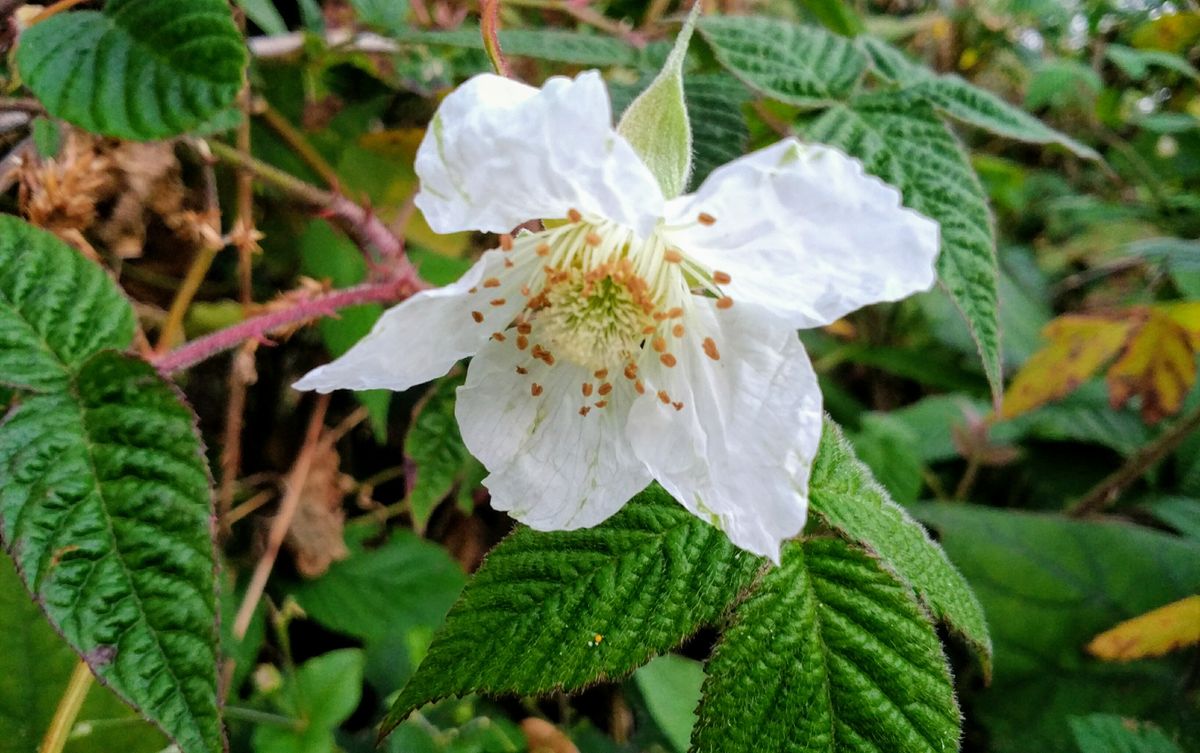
1158 363
1153 634
1077 345
1186 315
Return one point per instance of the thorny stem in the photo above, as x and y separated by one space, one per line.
257 328
1105 493
243 234
283 520
68 708
489 29
241 375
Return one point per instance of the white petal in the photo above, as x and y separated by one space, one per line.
550 467
738 453
805 232
499 153
422 337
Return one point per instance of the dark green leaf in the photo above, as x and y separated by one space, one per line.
799 65
845 495
1108 733
56 309
139 69
324 692
435 449
104 505
836 15
566 609
670 688
905 144
1049 585
546 44
719 132
830 653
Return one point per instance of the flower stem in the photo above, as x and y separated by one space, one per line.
489 28
68 708
258 327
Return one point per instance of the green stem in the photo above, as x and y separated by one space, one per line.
68 708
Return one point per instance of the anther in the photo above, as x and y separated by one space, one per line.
524 328
721 278
593 239
675 313
601 403
604 389
522 370
677 330
492 282
649 329
724 302
535 389
498 302
584 410
631 371
498 336
601 374
508 264
705 218
667 359
477 316
543 249
574 215
473 291
641 388
506 242
672 256
522 342
677 406
662 395
710 349
525 291
587 389
659 344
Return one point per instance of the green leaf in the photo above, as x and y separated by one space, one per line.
1049 585
904 143
1181 513
953 96
830 653
105 507
381 592
435 449
56 309
324 693
889 448
670 688
545 44
1137 63
1109 733
386 15
264 14
565 609
835 15
328 255
656 123
719 132
843 493
35 664
799 65
139 69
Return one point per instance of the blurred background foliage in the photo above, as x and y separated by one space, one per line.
1073 509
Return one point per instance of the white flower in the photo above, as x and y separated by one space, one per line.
636 337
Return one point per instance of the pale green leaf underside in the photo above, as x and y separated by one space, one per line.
56 308
104 505
800 65
139 69
831 653
643 581
845 495
903 142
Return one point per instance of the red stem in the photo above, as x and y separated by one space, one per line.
489 28
203 348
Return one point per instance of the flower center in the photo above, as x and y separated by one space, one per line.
598 317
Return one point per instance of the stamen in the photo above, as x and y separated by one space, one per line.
677 406
724 302
604 389
522 342
508 264
667 359
524 328
492 282
584 410
477 316
662 395
574 215
710 349
522 370
675 313
641 388
601 403
593 239
631 371
506 242
721 278
677 330
649 330
473 291
587 389
706 219
672 256
601 374
498 336
535 389
543 249
659 344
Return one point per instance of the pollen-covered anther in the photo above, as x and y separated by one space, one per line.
535 389
677 330
498 337
677 405
641 388
659 344
706 219
477 316
522 370
662 395
721 278
587 389
524 328
585 410
675 313
508 264
492 282
601 374
498 301
506 242
543 249
604 389
668 360
672 256
601 403
593 239
573 215
631 371
522 342
724 302
710 349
